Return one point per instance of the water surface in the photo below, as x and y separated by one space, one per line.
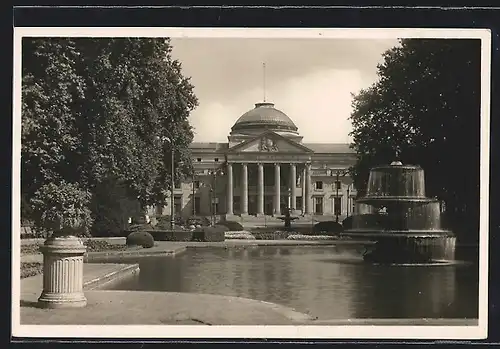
328 282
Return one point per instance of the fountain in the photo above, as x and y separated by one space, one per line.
404 224
287 219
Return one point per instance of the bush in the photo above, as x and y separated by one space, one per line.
62 209
347 223
140 238
231 225
194 220
98 246
328 227
140 227
209 234
222 227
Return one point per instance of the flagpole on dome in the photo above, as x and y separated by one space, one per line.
264 79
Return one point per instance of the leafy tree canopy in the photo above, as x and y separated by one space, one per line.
100 108
425 107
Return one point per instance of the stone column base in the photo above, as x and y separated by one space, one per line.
62 300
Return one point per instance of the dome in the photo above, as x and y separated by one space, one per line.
264 116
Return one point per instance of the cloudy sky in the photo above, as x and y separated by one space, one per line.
310 80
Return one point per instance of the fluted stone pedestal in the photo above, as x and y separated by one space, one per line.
63 273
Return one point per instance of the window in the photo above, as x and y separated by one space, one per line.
337 206
216 159
338 185
197 203
298 202
319 185
196 184
177 185
318 205
198 159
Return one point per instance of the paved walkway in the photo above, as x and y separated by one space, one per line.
149 308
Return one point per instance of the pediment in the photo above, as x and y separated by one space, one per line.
270 142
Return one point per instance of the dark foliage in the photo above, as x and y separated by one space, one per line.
140 238
425 109
231 225
328 227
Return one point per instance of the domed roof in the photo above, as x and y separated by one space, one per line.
264 116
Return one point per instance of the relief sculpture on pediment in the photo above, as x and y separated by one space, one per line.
268 144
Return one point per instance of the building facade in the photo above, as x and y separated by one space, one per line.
264 168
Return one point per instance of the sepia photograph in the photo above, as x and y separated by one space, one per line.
250 183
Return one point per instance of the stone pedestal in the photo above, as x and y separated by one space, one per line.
63 273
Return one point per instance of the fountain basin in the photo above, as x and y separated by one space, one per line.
404 224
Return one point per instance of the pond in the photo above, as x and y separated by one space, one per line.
329 282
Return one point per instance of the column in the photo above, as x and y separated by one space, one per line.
303 187
244 189
277 184
63 273
260 189
293 180
229 209
309 208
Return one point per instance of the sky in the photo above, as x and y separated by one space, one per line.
310 80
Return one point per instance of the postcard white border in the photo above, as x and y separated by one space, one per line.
271 332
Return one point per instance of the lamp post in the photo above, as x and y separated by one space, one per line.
172 179
348 199
338 173
213 191
194 193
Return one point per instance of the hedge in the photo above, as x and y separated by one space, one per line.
328 227
168 235
232 225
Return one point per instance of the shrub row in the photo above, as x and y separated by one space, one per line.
328 227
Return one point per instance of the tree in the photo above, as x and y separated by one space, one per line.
95 110
426 108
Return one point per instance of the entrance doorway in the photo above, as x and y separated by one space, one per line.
318 205
252 205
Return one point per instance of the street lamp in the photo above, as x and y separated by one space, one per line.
213 191
338 173
172 179
348 199
194 193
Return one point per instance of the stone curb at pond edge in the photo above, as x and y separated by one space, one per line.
127 270
139 253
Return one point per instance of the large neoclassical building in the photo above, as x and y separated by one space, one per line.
264 168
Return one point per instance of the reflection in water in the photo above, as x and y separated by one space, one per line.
327 282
